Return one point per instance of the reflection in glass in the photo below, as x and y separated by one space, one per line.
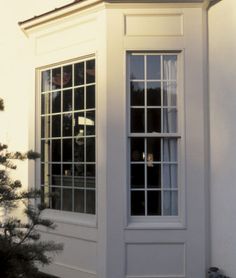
90 71
170 175
67 76
56 78
67 200
153 150
67 150
79 175
56 126
154 203
56 150
79 98
67 174
169 120
153 93
137 176
170 203
56 102
136 67
137 149
169 94
67 124
90 201
56 174
90 176
45 83
137 120
153 120
79 149
56 198
170 150
79 74
90 149
154 67
154 176
67 100
79 200
137 203
90 123
137 93
90 97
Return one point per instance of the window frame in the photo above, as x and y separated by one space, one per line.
158 221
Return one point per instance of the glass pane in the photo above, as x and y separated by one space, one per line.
42 104
67 200
56 150
90 175
56 174
56 102
90 71
136 67
170 150
137 176
153 67
90 123
137 93
79 149
137 120
154 203
79 175
67 124
79 74
169 120
153 93
67 174
56 78
170 176
154 176
46 79
137 203
153 150
67 100
90 201
67 150
170 67
90 97
79 200
169 94
153 120
137 149
56 126
56 198
42 174
67 76
170 203
90 149
79 98
43 127
79 121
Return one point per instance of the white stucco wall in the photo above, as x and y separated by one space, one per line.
222 42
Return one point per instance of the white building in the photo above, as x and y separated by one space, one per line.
132 105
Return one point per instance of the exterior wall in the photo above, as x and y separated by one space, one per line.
222 43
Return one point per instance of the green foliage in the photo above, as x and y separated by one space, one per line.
21 250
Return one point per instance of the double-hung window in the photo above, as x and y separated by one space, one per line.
68 136
153 134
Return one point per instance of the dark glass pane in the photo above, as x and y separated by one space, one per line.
42 174
67 174
79 200
79 74
79 98
169 94
170 176
137 203
56 198
56 78
56 150
56 174
56 126
170 120
90 182
90 201
56 102
153 67
79 124
90 149
154 176
79 175
79 149
90 97
136 67
67 200
137 176
154 203
90 176
67 150
46 79
153 93
67 124
42 150
153 120
137 93
90 123
67 100
170 203
67 76
153 150
137 120
137 149
170 150
42 104
43 127
90 71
